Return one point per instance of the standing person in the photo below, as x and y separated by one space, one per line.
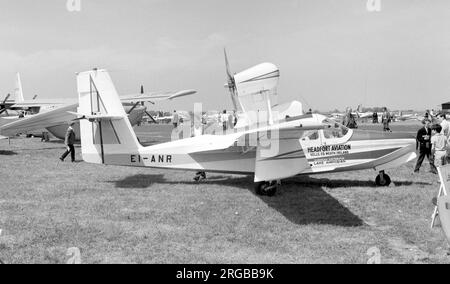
176 119
424 145
224 119
427 115
386 119
69 141
442 119
346 118
231 121
349 120
219 118
375 118
439 145
235 118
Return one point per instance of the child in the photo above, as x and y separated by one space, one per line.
439 145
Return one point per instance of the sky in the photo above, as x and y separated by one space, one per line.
331 53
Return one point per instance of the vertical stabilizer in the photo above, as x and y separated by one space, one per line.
106 134
18 91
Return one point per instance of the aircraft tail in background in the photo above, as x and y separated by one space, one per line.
18 91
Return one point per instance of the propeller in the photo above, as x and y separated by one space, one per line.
3 105
142 103
138 103
231 82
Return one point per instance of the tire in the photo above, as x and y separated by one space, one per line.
387 180
266 189
259 188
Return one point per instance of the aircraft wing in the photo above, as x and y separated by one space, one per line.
207 143
365 115
40 121
151 97
155 97
44 103
96 117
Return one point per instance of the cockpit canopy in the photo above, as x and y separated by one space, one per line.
331 130
334 130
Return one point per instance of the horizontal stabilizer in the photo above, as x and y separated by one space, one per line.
155 97
93 118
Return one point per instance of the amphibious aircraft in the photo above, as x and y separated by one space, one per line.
283 145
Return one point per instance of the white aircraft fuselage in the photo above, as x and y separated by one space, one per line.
278 148
357 150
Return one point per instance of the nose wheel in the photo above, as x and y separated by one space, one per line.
268 188
383 179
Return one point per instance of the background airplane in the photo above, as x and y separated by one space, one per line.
55 120
13 109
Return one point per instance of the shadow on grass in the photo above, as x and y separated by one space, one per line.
140 181
7 153
344 183
302 202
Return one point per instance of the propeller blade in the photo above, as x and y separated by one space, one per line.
135 105
151 117
6 98
227 64
231 81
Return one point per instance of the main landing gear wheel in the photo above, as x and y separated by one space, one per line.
200 176
383 179
266 188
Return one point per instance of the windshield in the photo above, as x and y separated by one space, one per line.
334 130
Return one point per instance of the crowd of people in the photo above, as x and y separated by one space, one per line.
433 142
433 139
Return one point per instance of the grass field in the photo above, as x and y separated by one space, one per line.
132 215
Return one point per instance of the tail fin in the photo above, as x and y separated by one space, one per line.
18 91
256 89
360 108
106 134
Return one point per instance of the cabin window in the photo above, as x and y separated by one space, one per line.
310 135
334 130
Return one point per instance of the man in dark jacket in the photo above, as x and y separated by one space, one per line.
424 145
69 141
386 119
